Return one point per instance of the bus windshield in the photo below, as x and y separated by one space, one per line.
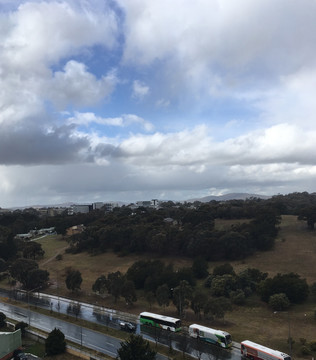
178 324
228 339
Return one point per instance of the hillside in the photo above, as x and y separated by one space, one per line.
294 251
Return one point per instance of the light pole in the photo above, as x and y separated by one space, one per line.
28 302
290 339
289 331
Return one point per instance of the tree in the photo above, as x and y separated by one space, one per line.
224 269
199 268
295 288
55 343
114 284
216 307
21 325
150 297
223 285
237 297
181 296
135 348
3 265
198 301
279 302
2 320
162 295
8 246
20 270
37 278
73 280
100 285
33 250
308 214
128 292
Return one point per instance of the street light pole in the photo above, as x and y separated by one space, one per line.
290 339
28 302
289 331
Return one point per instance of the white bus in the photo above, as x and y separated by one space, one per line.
253 351
161 321
213 336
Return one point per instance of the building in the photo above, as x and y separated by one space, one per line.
110 206
83 209
97 205
9 342
143 203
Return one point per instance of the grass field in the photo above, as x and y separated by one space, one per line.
295 251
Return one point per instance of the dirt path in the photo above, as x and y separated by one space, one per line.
59 251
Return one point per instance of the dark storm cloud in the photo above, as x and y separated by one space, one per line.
30 145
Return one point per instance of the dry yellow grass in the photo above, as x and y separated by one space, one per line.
294 251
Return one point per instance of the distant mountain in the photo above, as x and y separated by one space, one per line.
227 197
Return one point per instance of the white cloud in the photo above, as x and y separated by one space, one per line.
140 90
76 86
43 33
222 47
124 120
225 101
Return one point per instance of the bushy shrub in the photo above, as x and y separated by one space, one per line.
55 343
312 345
237 297
305 350
279 302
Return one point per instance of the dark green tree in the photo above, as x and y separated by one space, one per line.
128 292
73 280
114 284
33 250
200 268
150 298
198 301
181 296
163 295
8 247
37 278
21 325
135 348
3 265
279 302
20 271
295 288
100 285
308 214
224 269
223 285
55 343
217 307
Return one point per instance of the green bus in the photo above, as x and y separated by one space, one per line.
161 321
213 336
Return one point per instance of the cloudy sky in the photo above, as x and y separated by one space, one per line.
126 100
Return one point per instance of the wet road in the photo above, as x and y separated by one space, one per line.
107 317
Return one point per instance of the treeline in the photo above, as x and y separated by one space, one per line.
211 297
184 229
180 231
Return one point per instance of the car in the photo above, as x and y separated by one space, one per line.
126 325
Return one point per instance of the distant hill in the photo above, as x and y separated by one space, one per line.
227 197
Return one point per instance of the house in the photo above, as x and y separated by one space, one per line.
77 229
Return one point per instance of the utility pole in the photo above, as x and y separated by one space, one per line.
290 339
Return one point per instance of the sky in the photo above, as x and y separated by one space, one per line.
128 100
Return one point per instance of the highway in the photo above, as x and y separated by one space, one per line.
101 342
